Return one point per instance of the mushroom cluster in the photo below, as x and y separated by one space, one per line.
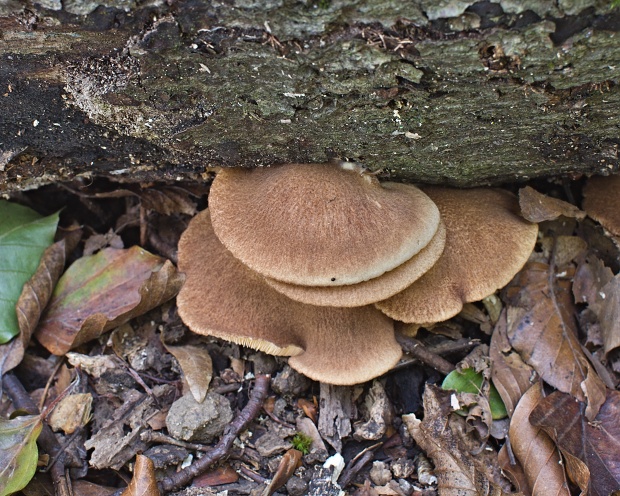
314 261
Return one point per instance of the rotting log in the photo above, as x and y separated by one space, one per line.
428 91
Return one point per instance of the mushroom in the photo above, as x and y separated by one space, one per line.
223 298
602 201
487 243
319 224
373 290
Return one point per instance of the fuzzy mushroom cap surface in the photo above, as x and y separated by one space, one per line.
487 243
373 290
223 298
319 224
602 201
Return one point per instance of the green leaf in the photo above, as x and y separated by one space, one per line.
18 452
470 381
24 235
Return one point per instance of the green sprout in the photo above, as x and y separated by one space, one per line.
302 443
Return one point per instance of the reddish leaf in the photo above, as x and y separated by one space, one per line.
197 367
103 291
541 327
288 464
607 309
591 448
535 450
143 482
221 475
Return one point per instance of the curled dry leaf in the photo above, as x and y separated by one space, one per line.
607 309
511 376
143 482
542 329
197 367
103 291
288 464
537 207
591 449
535 450
72 413
31 303
442 437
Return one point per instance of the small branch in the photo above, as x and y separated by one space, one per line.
417 350
185 476
47 440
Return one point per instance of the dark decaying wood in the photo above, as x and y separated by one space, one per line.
443 92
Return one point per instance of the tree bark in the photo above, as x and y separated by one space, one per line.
445 91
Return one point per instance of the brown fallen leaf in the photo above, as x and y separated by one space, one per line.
591 276
35 295
168 200
535 450
444 439
542 329
537 207
511 376
591 448
216 477
607 309
103 291
288 464
71 413
602 201
197 367
143 482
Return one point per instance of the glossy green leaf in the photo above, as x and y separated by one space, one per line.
24 235
470 381
18 452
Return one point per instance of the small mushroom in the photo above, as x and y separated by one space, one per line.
373 290
223 298
602 201
487 243
319 224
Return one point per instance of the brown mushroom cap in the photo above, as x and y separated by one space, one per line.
602 201
319 224
373 290
223 298
487 243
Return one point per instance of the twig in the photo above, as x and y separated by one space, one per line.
416 349
357 464
185 476
158 437
47 440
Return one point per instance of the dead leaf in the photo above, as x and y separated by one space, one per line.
71 413
31 303
607 309
565 249
591 276
602 201
168 200
537 207
443 437
288 464
197 367
591 449
98 242
103 291
216 477
535 450
143 482
511 376
310 408
542 329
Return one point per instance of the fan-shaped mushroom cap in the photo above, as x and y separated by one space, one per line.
373 290
223 298
602 201
319 224
487 243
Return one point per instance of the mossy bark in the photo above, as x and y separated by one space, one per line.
440 92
